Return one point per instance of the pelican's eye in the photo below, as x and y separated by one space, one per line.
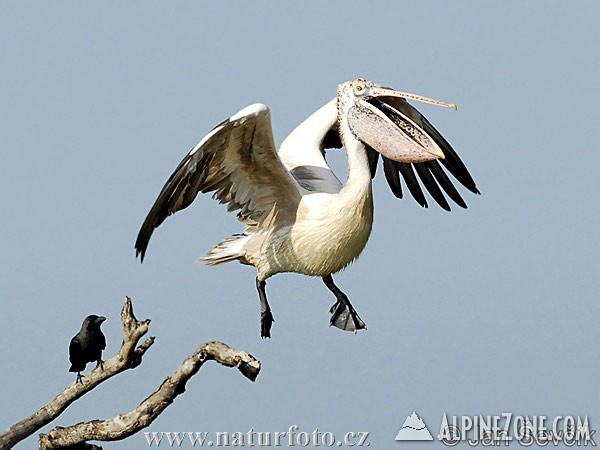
360 88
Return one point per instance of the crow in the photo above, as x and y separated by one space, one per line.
87 345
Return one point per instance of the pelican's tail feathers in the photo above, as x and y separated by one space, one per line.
228 250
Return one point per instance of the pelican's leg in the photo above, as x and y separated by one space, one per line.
266 317
343 316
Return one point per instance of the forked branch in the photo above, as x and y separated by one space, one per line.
129 357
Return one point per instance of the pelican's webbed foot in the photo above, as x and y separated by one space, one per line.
346 318
266 316
343 315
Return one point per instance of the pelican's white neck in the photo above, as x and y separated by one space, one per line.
358 182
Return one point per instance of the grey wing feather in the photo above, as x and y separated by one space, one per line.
317 179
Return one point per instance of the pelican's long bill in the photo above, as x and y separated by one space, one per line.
384 120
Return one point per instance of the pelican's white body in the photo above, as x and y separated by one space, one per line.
331 233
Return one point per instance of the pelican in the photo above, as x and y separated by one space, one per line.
297 215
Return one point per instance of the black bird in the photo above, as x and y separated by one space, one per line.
87 345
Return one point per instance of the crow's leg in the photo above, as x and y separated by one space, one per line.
79 377
343 316
100 363
266 317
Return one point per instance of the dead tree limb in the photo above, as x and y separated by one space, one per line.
125 425
129 357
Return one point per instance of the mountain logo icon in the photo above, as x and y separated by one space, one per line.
414 429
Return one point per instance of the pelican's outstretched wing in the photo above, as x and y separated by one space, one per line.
431 174
237 161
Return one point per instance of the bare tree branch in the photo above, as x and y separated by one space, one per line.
129 357
125 425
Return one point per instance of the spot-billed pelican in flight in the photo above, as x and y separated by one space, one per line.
297 215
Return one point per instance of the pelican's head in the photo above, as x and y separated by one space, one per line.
382 118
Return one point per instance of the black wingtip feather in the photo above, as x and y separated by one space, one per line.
145 233
408 174
460 173
452 161
373 157
393 178
431 185
445 183
140 254
140 248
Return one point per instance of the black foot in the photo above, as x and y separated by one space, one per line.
346 318
79 378
266 320
100 363
343 316
266 317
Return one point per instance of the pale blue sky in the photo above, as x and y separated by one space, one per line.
480 311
